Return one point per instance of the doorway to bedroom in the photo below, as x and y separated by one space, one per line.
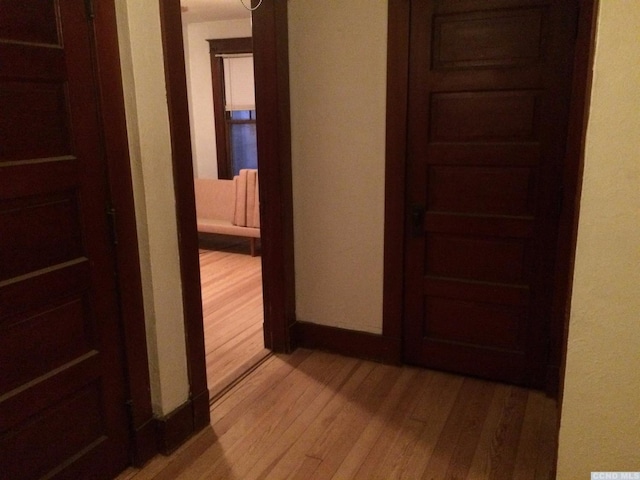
220 89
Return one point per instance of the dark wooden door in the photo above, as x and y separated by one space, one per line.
488 104
62 394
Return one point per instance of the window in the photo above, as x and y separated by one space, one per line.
243 151
234 105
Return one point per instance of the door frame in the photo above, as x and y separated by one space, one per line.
271 64
116 150
395 202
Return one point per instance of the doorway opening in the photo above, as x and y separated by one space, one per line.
270 36
220 89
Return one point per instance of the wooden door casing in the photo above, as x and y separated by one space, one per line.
62 388
489 87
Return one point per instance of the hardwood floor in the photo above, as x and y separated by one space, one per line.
233 312
318 415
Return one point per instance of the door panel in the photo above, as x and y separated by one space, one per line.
488 101
62 391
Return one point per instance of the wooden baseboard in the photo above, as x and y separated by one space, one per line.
177 427
346 342
144 444
201 411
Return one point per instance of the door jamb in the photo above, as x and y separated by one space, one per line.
271 66
572 181
176 84
395 202
395 171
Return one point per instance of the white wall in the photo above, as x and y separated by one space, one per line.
199 88
150 151
601 409
338 92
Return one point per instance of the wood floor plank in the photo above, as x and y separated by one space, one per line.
251 439
236 375
232 314
482 461
432 412
399 423
360 453
497 448
248 393
526 457
337 439
456 446
306 470
545 465
312 416
288 452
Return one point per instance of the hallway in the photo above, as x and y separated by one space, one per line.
318 415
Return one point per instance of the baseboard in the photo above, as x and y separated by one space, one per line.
201 411
144 444
346 342
231 243
177 427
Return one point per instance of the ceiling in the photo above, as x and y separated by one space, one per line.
211 10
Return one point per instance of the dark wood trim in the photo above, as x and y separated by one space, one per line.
144 443
395 168
127 256
572 188
217 83
397 97
271 65
230 45
217 47
174 429
350 343
200 410
552 373
176 81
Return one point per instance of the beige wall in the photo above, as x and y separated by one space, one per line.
150 151
338 79
200 90
601 409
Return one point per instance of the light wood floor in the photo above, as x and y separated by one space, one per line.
233 313
318 415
